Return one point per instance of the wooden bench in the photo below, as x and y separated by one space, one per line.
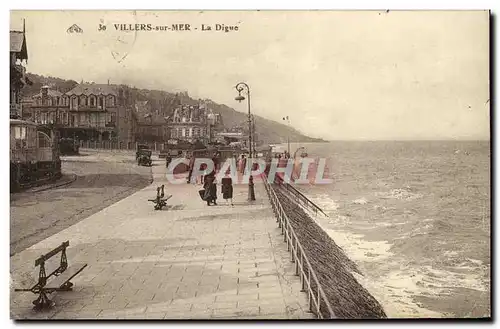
160 201
58 280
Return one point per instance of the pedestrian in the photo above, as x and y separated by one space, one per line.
203 167
191 168
243 164
210 189
168 160
227 189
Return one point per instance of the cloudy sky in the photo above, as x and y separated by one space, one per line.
338 75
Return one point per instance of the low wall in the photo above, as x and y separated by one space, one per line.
111 145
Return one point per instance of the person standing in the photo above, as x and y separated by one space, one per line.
210 189
227 189
191 168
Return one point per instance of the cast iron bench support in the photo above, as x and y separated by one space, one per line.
160 201
59 278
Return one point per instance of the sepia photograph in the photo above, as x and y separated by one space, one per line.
250 165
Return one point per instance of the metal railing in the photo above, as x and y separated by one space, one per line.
299 197
317 298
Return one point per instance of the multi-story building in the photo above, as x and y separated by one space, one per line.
87 112
192 123
151 125
18 79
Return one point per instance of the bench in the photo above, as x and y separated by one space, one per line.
58 280
160 201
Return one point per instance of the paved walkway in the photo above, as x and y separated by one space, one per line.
188 262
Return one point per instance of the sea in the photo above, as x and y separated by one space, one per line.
415 217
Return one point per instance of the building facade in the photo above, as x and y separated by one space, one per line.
194 123
88 112
18 79
151 125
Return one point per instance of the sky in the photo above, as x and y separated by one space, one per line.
338 75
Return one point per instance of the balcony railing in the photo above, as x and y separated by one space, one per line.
15 110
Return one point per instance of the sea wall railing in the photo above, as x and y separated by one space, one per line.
300 198
317 298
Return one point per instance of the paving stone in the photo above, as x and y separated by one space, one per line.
237 298
180 268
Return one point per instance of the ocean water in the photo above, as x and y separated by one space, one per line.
415 217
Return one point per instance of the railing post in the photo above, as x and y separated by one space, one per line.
319 301
296 257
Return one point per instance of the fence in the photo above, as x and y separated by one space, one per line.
317 298
115 145
298 196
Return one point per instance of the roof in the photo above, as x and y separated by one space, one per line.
50 92
16 41
93 89
19 122
18 44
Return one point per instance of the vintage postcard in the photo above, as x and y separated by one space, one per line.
250 165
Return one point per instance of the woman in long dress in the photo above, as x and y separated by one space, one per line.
210 189
227 189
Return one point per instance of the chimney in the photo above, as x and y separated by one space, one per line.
44 91
108 82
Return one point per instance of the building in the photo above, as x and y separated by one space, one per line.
18 79
100 112
194 122
152 126
45 107
89 111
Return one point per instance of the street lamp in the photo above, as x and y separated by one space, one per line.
287 119
241 86
254 136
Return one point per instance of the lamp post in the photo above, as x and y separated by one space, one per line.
254 137
241 86
287 119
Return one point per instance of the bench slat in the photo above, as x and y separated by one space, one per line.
51 253
67 275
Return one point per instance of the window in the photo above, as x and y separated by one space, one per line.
83 100
113 117
110 101
101 102
20 132
92 100
43 140
74 103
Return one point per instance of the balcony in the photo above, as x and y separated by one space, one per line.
88 108
15 110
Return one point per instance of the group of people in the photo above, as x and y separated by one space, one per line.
284 155
209 192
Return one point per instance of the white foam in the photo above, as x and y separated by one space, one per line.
360 201
399 194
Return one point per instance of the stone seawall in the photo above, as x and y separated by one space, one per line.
348 298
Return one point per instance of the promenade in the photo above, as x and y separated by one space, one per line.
189 261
